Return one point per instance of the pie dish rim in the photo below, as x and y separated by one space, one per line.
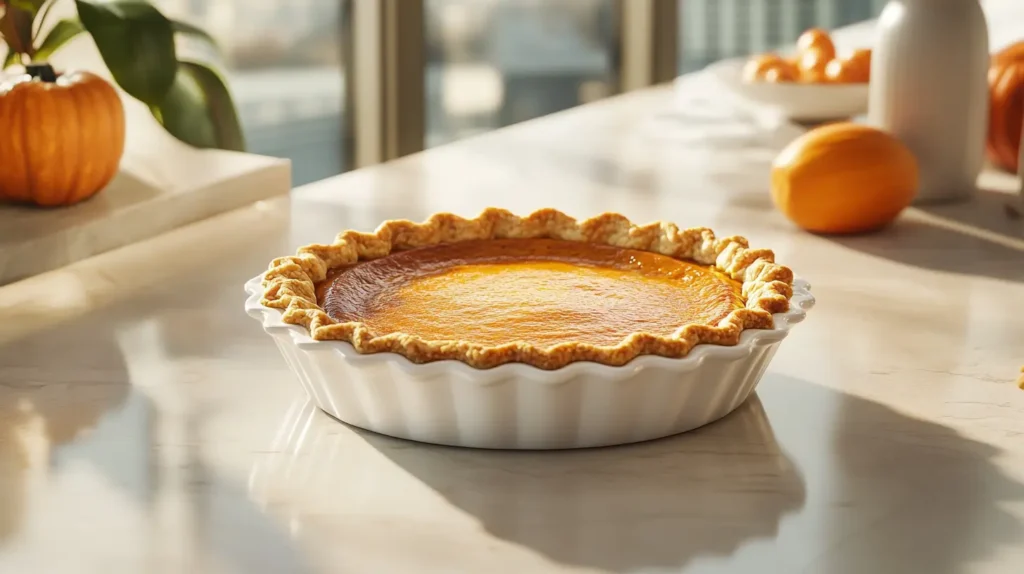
767 288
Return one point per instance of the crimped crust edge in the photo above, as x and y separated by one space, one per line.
289 285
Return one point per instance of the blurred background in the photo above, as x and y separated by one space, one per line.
486 63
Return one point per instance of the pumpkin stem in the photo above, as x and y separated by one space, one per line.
42 72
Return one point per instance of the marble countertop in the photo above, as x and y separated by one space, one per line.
148 425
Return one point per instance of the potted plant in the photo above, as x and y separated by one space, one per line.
74 120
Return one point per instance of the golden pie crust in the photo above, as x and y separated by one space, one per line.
290 285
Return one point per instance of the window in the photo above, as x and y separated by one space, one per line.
492 63
283 61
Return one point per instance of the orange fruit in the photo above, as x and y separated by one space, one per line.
843 178
769 67
840 71
862 59
817 39
781 74
812 66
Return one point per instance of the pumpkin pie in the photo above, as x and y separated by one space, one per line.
544 290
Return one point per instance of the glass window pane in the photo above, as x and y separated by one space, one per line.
710 30
491 63
283 61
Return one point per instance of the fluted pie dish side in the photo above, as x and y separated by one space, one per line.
605 254
518 406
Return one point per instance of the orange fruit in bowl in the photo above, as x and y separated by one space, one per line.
769 68
819 40
843 178
781 74
812 64
861 58
845 71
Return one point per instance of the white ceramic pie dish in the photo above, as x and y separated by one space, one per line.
517 406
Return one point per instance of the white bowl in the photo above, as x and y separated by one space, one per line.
517 406
798 102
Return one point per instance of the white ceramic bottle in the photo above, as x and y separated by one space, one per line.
929 89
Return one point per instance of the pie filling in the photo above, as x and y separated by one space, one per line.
538 291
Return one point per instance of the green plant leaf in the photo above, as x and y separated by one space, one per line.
40 19
136 42
31 6
199 111
16 28
186 29
59 35
10 59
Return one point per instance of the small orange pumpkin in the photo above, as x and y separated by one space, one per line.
62 137
1006 106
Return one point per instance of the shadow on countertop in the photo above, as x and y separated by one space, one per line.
902 494
655 504
995 211
979 237
82 389
892 493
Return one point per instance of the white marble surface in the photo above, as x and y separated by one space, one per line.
132 209
148 425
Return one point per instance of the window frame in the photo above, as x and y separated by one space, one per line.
387 67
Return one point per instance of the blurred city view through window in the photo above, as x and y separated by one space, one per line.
283 61
492 63
489 63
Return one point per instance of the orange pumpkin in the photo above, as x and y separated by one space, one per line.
1006 107
844 178
1009 53
63 136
